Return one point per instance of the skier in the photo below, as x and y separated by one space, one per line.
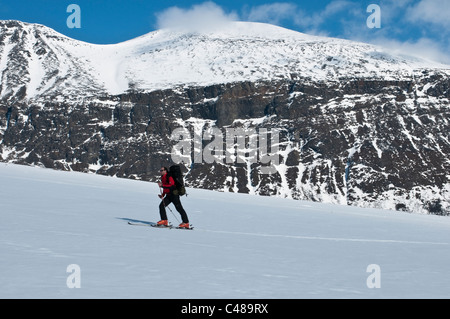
168 185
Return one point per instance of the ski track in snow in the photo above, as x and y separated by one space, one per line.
243 246
329 238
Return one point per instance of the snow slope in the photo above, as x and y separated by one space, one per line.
52 64
240 248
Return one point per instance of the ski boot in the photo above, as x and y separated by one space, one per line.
162 223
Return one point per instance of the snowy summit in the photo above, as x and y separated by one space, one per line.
50 62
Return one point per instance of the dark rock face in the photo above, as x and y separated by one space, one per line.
372 143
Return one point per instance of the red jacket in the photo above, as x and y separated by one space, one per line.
167 184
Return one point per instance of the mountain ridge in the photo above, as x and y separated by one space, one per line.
170 58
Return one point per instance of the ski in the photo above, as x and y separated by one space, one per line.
190 228
139 224
160 226
172 227
149 225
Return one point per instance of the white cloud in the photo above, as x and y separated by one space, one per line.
336 7
424 48
205 16
273 13
428 19
278 12
435 12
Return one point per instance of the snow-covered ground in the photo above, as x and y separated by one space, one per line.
243 246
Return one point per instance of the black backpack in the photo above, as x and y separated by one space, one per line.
175 173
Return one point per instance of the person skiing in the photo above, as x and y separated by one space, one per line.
167 196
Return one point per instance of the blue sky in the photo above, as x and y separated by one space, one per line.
421 27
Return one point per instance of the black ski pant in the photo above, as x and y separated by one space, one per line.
175 199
